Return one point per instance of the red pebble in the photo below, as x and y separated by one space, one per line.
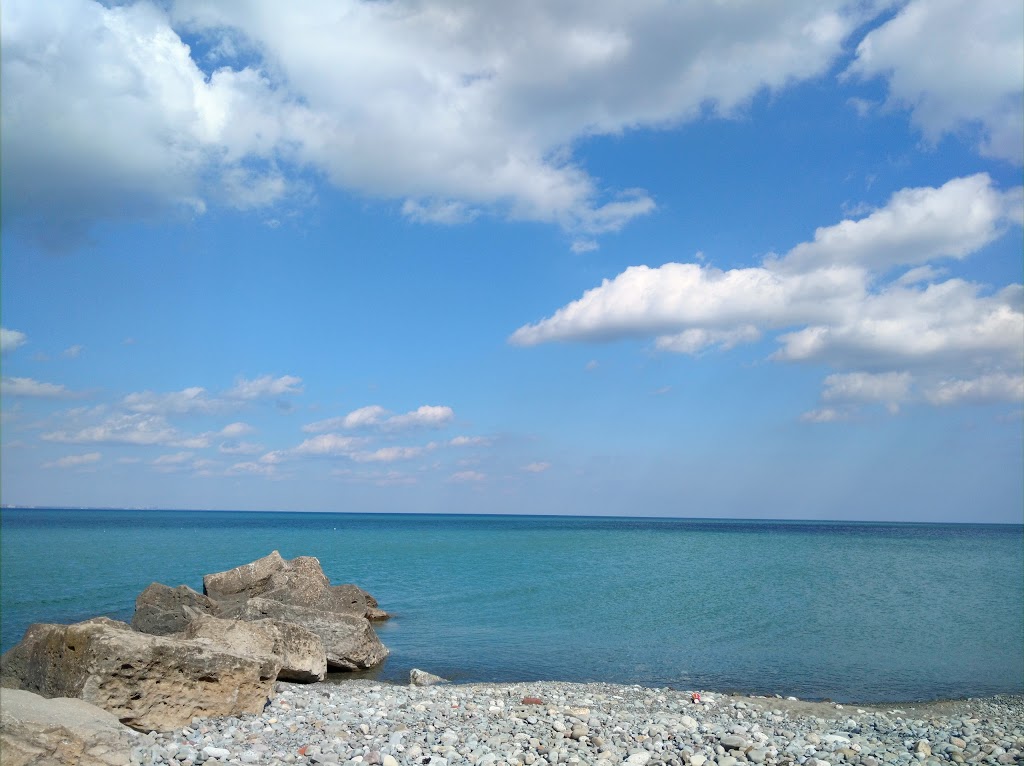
532 701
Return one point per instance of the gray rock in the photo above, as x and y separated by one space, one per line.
349 641
55 731
161 610
148 682
300 652
419 677
298 582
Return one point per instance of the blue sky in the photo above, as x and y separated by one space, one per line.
666 259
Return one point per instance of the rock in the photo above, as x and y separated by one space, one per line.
38 730
298 582
349 641
419 677
148 682
923 747
697 759
161 610
733 742
300 652
688 723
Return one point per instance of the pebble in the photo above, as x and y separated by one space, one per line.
368 723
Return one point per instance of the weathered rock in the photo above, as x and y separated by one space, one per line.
299 651
35 730
148 682
299 582
161 610
349 641
419 677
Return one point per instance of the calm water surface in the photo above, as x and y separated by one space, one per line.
851 612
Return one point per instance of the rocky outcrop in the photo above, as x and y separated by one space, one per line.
299 651
147 682
349 641
161 610
35 730
299 582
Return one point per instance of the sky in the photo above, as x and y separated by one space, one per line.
687 259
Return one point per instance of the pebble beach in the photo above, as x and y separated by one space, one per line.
368 723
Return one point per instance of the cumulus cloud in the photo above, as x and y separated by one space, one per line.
137 428
11 339
538 467
328 445
375 416
75 461
389 454
829 300
240 448
469 441
29 387
73 352
190 400
236 429
452 108
976 84
264 386
998 387
467 477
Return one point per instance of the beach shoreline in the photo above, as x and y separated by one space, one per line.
373 723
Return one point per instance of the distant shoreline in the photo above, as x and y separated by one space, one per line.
582 517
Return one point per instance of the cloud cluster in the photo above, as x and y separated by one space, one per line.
197 400
976 85
847 298
29 387
453 108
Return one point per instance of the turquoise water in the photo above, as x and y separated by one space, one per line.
850 612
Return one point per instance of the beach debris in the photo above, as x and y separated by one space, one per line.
695 698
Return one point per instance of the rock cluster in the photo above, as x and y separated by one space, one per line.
363 723
188 654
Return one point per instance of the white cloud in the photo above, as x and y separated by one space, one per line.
427 416
173 462
957 66
465 477
265 386
375 416
915 226
29 387
75 461
448 213
829 297
998 387
826 415
249 468
469 441
73 352
232 430
328 445
538 467
240 448
889 388
11 339
454 108
388 454
137 428
190 400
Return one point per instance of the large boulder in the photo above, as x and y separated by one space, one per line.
349 641
161 610
151 683
300 582
35 730
300 652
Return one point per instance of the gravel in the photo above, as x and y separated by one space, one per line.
367 723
